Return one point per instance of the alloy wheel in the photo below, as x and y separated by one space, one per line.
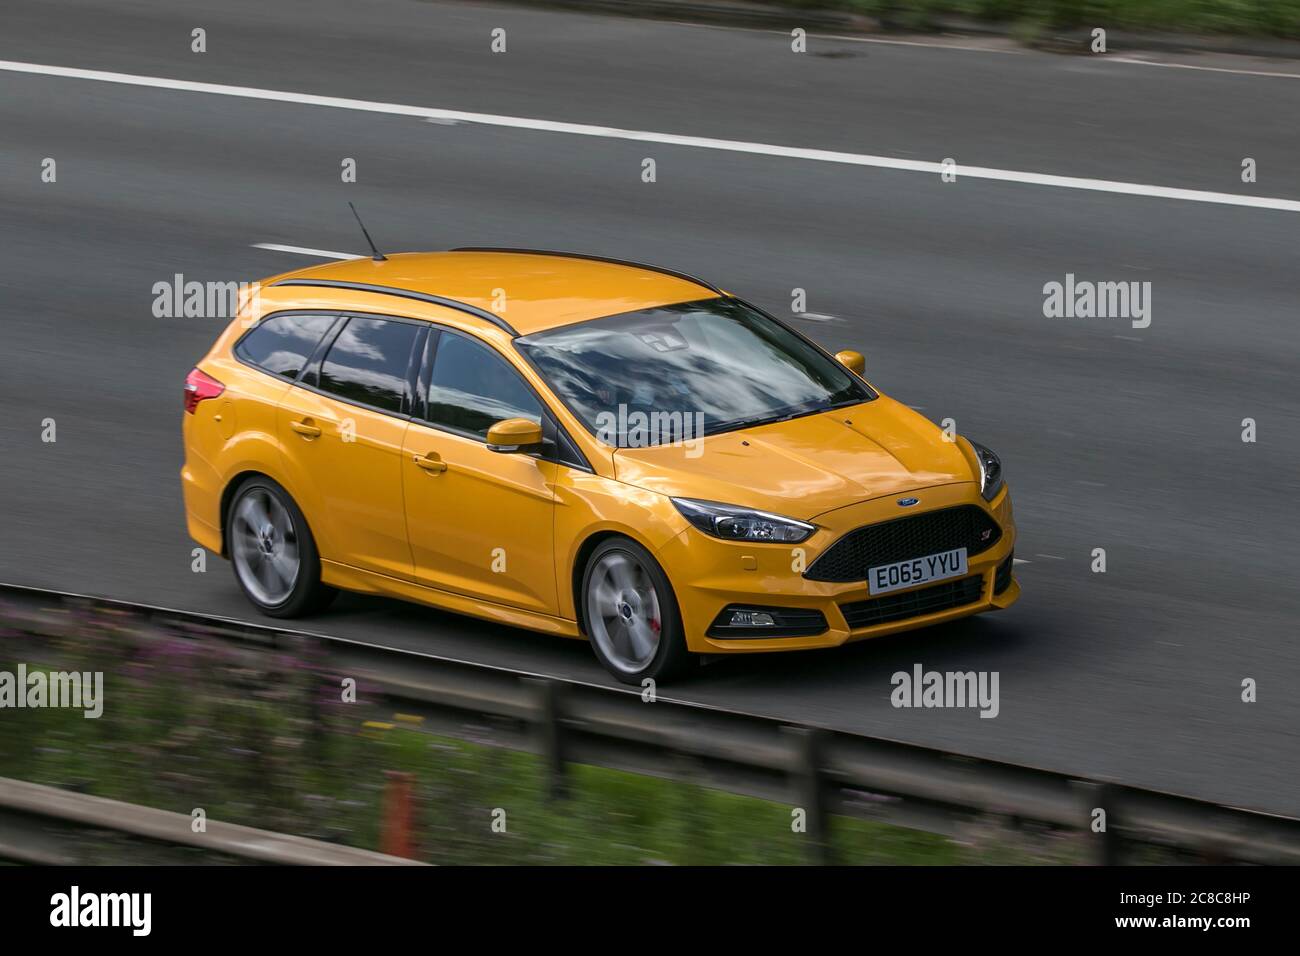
264 545
623 612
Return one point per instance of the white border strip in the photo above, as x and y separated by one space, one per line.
304 251
667 139
1205 69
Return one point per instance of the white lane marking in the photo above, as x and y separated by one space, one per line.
1020 561
304 251
667 139
937 46
1206 69
816 317
1050 557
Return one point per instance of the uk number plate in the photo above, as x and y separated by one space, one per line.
905 574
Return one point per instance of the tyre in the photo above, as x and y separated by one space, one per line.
631 614
273 553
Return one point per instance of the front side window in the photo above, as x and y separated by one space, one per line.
471 388
705 366
283 343
369 361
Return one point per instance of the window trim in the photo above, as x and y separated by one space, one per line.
555 453
426 374
326 336
341 317
418 373
404 412
322 348
405 294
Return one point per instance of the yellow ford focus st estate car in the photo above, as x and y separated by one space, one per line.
580 446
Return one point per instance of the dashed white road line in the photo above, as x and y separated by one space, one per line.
667 139
1204 69
936 45
304 251
1021 561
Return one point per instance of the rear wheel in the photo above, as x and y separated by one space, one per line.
631 614
272 550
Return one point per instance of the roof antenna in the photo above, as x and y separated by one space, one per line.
378 256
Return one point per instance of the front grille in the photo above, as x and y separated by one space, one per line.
898 607
965 526
1002 580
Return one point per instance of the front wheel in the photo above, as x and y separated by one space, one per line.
631 614
273 552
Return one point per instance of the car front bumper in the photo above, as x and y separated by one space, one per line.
710 575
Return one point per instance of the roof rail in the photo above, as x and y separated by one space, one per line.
405 294
582 255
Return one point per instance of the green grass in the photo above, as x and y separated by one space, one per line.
1280 18
261 738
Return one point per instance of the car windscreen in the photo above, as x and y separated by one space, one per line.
678 371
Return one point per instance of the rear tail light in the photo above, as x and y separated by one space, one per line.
199 386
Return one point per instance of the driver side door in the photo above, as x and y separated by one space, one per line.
480 523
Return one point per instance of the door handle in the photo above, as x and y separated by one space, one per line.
305 428
430 463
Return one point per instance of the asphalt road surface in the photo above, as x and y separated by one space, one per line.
1114 437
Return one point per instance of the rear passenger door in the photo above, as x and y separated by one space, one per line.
281 346
341 429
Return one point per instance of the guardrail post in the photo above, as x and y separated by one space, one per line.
1111 846
396 838
549 730
811 792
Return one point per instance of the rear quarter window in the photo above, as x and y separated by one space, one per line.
369 362
283 343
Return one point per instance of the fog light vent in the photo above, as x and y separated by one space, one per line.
745 621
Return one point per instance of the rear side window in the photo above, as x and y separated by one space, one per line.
472 388
283 343
368 363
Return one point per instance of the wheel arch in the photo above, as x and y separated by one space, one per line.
583 555
228 494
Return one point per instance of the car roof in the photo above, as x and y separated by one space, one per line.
542 290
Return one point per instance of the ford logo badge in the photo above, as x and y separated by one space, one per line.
908 502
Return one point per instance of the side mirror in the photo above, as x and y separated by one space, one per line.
851 360
514 434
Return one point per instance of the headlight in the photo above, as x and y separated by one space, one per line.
990 471
732 523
